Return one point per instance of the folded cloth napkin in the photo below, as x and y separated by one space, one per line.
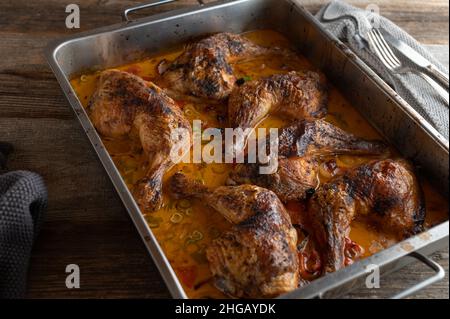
351 25
23 199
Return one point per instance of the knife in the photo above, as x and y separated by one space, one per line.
416 58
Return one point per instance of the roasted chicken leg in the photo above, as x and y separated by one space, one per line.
204 68
295 95
302 147
124 102
257 258
386 192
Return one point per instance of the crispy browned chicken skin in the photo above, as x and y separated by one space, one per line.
293 180
386 192
321 138
124 102
204 68
302 147
257 258
294 95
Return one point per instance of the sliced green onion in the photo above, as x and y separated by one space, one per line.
194 237
189 109
153 221
176 218
183 204
153 225
83 78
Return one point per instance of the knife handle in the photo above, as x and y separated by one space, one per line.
438 75
439 89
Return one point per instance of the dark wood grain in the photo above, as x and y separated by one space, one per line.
86 223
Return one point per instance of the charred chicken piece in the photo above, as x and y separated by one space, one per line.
204 68
294 179
257 258
124 102
386 192
302 147
321 138
294 95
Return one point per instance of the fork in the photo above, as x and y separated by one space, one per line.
392 63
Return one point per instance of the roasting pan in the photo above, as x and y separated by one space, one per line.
401 125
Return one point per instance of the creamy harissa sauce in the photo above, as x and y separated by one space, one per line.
184 228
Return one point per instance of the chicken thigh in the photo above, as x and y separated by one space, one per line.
204 68
294 95
124 102
257 258
302 147
385 192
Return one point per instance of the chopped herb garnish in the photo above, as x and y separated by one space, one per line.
153 222
188 212
183 204
194 237
176 218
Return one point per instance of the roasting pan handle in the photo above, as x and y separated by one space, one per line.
439 275
156 3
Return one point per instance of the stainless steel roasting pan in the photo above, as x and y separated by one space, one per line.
382 107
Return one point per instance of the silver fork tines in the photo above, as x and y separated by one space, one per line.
383 50
392 63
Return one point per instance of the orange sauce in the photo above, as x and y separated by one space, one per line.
184 228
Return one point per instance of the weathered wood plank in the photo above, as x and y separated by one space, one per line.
428 22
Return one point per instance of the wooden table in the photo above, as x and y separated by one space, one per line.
86 223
